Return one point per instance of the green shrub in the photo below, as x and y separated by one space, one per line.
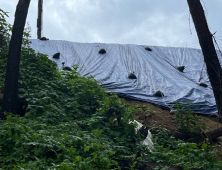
189 123
168 150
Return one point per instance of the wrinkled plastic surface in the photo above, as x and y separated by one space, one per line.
155 70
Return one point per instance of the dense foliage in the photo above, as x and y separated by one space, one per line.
189 123
4 29
4 41
71 123
182 154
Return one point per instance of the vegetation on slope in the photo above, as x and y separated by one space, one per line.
71 123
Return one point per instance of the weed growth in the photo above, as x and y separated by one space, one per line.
189 123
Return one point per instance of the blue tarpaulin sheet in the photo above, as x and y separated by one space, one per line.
155 70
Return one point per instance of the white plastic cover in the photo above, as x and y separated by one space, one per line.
148 141
155 70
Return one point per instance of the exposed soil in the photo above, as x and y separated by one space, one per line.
162 118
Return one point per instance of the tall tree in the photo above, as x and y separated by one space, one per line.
10 98
210 56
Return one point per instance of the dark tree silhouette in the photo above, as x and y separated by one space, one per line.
39 19
210 56
10 98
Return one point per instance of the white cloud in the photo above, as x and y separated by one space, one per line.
159 22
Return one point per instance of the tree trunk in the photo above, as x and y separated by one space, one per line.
12 71
39 19
210 56
210 135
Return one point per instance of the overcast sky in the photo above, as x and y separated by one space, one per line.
144 22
